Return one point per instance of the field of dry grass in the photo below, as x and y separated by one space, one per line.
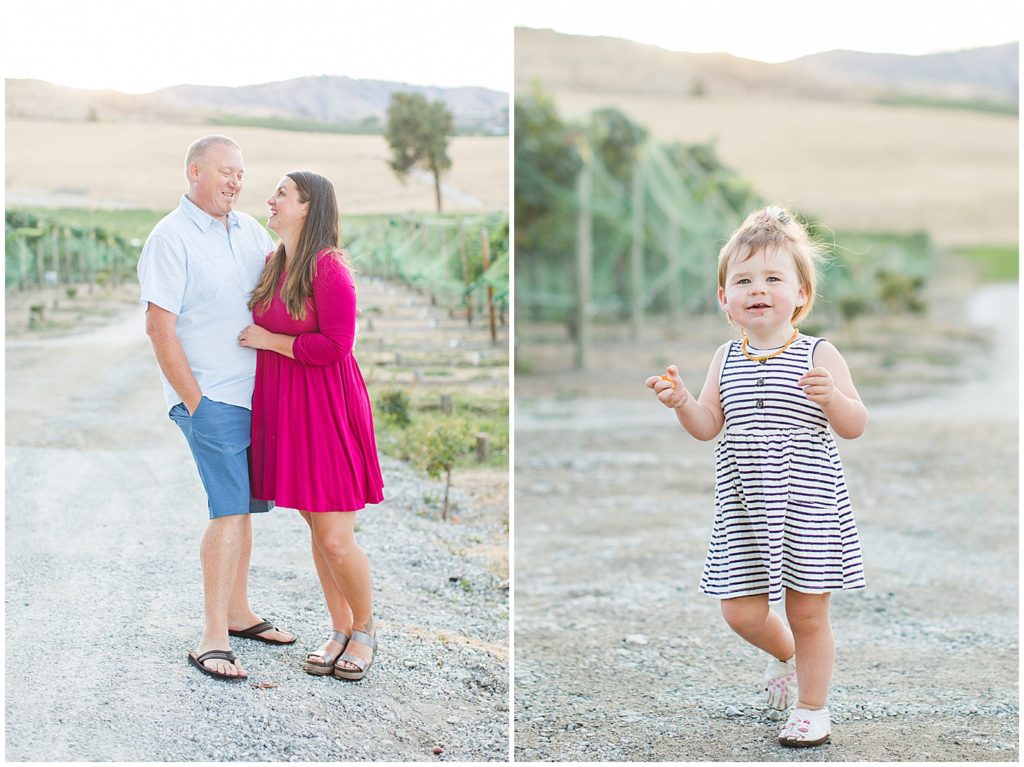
851 165
140 165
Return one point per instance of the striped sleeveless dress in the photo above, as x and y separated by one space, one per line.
782 511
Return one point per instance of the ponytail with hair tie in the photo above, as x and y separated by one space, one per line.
779 214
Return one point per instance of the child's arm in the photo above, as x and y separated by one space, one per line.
831 386
702 417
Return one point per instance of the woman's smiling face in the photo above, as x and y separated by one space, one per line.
762 292
287 211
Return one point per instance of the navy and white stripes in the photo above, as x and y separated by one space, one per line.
782 510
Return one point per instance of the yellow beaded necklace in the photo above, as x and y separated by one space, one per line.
766 357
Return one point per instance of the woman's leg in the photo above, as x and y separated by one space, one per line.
755 621
337 605
334 536
815 646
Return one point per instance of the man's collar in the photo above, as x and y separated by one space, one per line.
200 217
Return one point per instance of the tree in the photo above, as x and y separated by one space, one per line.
437 445
616 141
547 161
418 132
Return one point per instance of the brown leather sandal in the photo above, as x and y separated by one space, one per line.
219 655
254 632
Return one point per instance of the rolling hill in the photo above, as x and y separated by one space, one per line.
324 100
989 74
612 65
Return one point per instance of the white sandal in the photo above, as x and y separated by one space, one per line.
806 728
780 684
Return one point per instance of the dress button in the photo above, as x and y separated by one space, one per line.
760 382
760 403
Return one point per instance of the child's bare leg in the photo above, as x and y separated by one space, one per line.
815 646
755 621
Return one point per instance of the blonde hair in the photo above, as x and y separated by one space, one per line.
775 229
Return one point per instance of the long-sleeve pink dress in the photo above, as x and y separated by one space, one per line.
313 447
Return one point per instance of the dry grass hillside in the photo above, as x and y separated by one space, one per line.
37 99
828 150
852 165
136 165
613 65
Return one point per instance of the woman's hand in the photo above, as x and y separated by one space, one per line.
818 385
669 388
255 337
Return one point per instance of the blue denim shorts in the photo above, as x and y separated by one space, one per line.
218 435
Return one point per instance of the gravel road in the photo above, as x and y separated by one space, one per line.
103 599
620 657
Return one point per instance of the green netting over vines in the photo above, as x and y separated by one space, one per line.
658 215
441 255
40 252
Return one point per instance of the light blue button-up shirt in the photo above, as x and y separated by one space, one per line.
194 267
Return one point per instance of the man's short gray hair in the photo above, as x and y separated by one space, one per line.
201 145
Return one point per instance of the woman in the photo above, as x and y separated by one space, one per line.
313 447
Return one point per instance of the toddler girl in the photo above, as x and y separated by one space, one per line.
782 511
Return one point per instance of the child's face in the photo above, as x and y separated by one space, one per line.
762 292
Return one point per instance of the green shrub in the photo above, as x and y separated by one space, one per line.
875 273
436 444
900 292
853 306
394 405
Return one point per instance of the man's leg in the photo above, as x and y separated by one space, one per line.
218 436
240 614
220 552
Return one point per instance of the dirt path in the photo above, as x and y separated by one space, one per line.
619 656
104 516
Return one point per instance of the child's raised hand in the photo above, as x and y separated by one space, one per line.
669 388
818 385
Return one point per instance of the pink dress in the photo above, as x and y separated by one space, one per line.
313 447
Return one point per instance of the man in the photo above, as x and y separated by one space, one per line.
197 269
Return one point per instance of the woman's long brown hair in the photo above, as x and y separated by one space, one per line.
319 231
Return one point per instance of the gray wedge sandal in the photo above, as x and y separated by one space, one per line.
320 662
363 664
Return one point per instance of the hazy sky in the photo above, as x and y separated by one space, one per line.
141 45
778 30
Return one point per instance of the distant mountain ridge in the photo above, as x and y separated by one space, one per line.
328 100
331 99
990 72
607 64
